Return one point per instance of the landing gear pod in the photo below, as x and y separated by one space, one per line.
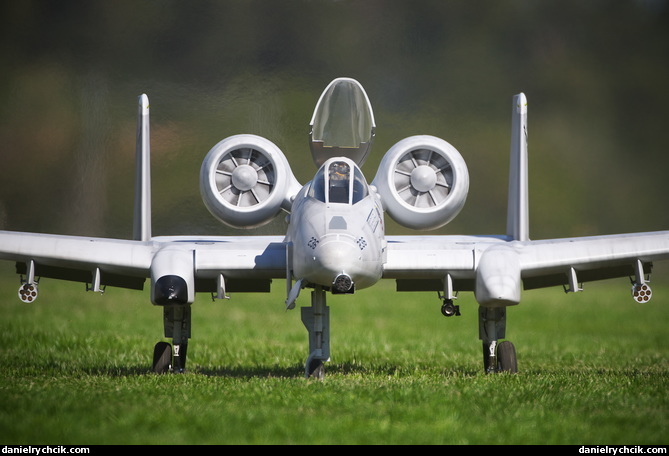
423 182
245 180
172 277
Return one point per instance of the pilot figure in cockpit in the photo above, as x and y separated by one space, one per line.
339 175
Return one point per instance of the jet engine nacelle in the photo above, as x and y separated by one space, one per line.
423 182
245 180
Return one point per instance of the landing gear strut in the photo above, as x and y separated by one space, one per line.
172 358
317 321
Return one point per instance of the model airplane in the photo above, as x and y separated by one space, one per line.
335 241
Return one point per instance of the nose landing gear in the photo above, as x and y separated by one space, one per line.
317 321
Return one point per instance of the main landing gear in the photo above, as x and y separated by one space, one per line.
497 356
172 358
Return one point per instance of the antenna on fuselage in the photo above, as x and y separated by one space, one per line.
517 223
142 212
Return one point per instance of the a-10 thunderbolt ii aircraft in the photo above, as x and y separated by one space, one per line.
335 241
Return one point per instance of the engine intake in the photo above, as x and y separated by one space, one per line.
245 180
423 182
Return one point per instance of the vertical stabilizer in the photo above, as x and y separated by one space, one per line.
517 223
142 214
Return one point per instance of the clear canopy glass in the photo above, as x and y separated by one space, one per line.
335 184
343 123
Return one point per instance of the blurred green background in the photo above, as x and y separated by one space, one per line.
595 73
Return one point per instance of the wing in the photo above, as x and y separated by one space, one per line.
206 264
489 265
420 262
562 261
231 263
120 263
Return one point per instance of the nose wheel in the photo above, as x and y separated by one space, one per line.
315 368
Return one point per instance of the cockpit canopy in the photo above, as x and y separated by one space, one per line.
339 182
342 124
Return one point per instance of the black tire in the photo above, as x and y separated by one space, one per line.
506 358
316 369
162 358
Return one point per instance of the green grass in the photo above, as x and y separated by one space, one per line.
593 370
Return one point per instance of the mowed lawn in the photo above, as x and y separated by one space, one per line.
75 370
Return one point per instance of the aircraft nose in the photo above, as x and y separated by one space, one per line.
334 255
335 261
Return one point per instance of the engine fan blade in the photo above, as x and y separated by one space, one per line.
423 178
244 177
